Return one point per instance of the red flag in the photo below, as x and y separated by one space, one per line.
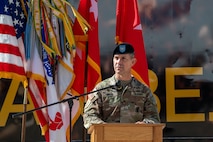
93 59
88 10
129 29
79 66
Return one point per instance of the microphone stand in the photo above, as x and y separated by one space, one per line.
70 102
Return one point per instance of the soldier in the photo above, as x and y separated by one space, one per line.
130 102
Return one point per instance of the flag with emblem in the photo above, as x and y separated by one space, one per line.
58 114
12 26
129 29
57 126
93 58
87 50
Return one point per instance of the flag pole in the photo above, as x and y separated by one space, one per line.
85 90
23 129
70 102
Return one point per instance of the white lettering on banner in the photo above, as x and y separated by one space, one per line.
47 66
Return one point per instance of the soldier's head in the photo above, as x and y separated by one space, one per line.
123 58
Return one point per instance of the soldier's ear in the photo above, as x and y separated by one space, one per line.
134 60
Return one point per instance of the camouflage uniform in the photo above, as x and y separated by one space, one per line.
134 102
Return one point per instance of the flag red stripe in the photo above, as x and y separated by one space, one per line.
6 29
11 68
7 48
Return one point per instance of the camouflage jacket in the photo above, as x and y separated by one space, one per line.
129 104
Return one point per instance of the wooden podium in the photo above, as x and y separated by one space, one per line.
119 132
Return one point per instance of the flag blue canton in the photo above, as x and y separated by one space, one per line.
3 3
14 9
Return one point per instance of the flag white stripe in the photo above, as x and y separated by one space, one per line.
6 20
11 59
8 39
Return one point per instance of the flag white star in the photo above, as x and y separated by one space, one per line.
138 27
21 24
17 4
6 8
94 9
16 12
22 15
15 21
11 2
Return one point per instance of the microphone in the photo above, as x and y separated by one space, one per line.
118 85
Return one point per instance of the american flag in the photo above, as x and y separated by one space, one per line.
12 26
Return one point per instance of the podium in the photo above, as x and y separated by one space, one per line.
121 132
